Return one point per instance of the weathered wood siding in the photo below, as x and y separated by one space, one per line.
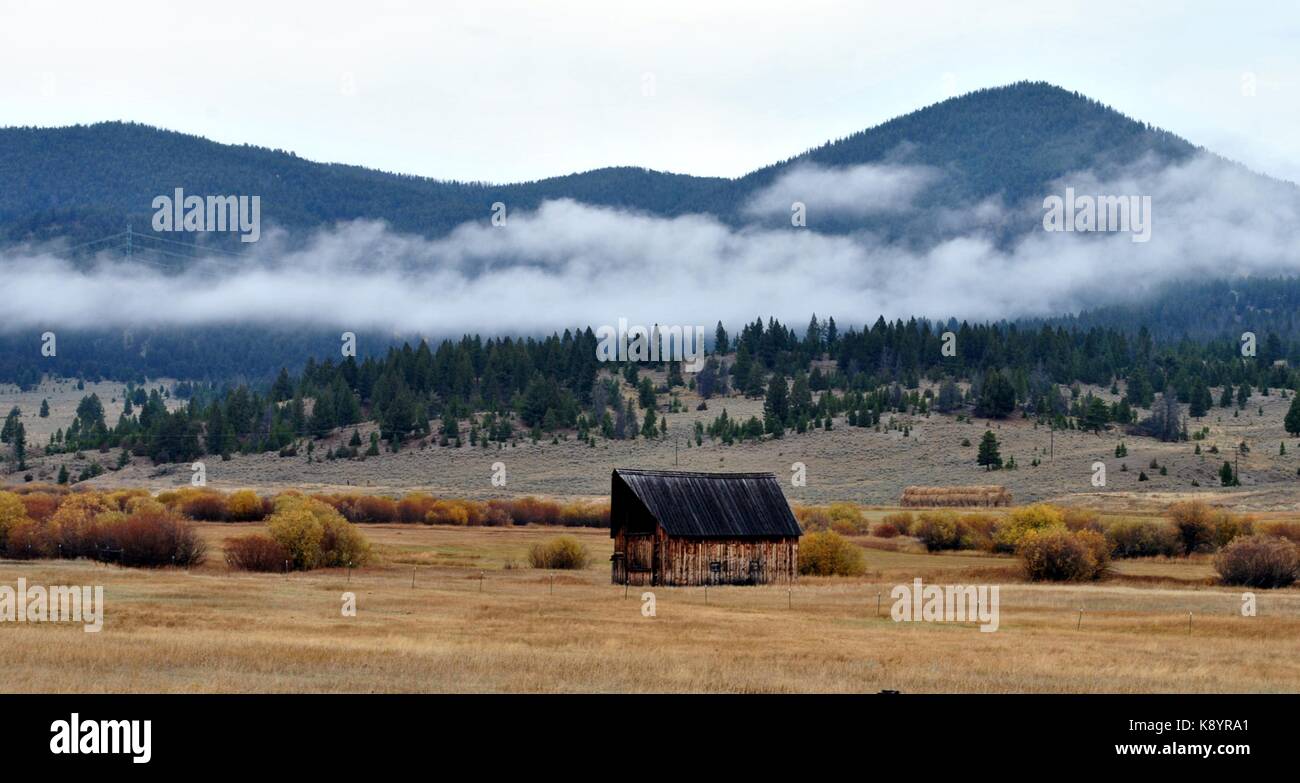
664 560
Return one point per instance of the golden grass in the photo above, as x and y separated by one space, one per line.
214 630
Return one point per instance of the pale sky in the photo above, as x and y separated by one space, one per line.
503 90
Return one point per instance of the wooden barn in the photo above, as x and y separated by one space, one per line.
677 528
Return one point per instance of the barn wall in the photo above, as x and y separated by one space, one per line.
663 560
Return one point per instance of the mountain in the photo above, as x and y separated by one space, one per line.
86 182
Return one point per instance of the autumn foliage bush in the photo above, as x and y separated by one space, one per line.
561 552
128 528
1055 554
829 554
901 520
314 534
1194 522
245 506
1258 561
1021 521
938 530
1143 538
1288 530
256 552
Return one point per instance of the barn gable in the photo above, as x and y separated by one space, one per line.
707 505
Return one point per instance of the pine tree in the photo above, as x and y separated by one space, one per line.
997 396
721 344
1200 401
45 408
1292 420
989 457
776 406
648 428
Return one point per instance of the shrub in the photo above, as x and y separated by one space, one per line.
71 530
1195 523
1258 561
885 530
374 509
1081 519
256 552
40 505
28 540
415 507
847 517
495 514
901 520
342 544
12 512
1141 538
830 554
976 531
447 512
245 506
1020 522
123 499
585 514
153 537
559 552
813 519
300 533
1288 530
1054 554
1231 526
313 534
938 530
203 505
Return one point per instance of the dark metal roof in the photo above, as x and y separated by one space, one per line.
712 505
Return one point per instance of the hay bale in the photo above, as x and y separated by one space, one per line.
981 496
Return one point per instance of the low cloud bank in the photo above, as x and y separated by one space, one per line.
569 263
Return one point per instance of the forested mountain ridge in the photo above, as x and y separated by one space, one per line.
86 181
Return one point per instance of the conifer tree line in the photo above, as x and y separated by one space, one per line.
491 391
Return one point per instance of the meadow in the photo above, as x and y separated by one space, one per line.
456 609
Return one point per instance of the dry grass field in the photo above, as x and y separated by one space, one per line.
516 630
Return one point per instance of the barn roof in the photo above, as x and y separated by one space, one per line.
712 505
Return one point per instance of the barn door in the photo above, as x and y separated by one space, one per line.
640 558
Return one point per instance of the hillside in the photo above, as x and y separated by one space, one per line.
85 182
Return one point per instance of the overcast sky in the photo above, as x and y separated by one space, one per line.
503 90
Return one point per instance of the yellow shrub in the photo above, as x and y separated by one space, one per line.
315 534
901 521
1082 519
244 506
12 512
559 552
830 554
300 533
1038 517
847 516
342 544
447 512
